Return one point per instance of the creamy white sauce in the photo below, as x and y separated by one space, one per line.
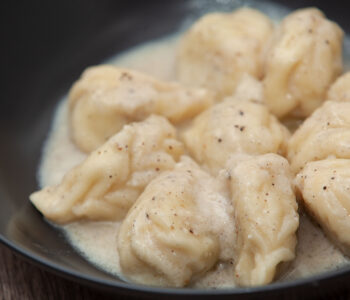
97 241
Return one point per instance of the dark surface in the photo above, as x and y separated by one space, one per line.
20 280
45 47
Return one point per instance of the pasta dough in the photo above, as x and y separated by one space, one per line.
266 216
325 190
325 134
106 184
304 59
221 47
234 126
340 89
106 98
167 238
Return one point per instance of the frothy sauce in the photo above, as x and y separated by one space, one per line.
97 241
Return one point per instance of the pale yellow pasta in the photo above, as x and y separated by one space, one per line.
106 98
266 216
108 182
325 189
234 126
303 60
325 134
340 89
167 238
221 47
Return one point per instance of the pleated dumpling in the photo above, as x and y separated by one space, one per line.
171 235
340 89
221 47
234 126
266 216
106 98
325 189
303 60
108 182
325 134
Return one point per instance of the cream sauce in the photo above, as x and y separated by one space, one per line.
97 241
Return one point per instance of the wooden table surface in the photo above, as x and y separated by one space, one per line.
20 280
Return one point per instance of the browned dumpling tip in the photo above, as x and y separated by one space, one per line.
221 47
266 216
169 237
304 58
325 134
325 189
108 182
106 98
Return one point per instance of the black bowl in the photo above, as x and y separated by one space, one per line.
46 45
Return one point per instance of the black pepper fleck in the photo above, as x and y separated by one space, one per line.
125 75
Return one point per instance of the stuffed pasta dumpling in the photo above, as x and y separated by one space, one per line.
221 47
106 98
325 134
325 189
266 216
304 59
340 89
172 234
106 184
234 126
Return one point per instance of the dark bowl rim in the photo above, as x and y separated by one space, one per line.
125 287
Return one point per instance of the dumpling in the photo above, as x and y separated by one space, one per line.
171 235
325 134
106 98
266 216
108 182
325 189
340 89
249 88
304 59
234 126
221 47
